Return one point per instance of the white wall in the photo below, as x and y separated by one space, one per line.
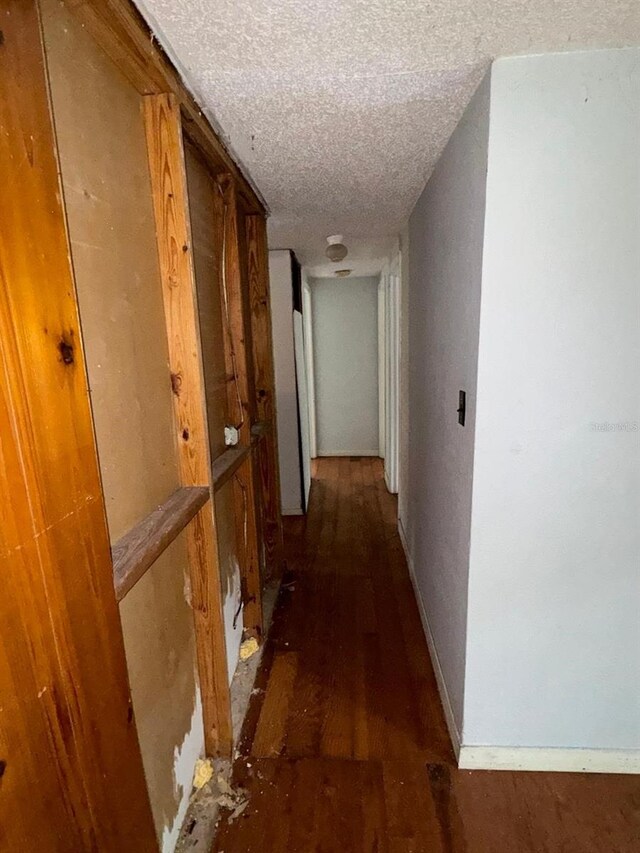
303 402
445 259
285 378
553 650
524 538
403 389
345 357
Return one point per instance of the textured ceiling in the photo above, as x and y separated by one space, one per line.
339 109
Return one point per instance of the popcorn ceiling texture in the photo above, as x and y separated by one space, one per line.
339 109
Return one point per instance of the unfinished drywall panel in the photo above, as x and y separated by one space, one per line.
206 213
344 317
105 177
228 549
446 237
281 279
553 650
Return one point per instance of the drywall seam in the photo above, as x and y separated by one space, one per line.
549 759
442 686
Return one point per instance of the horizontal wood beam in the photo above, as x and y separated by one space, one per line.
138 549
225 466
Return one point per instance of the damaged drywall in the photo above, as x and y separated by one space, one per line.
159 639
230 575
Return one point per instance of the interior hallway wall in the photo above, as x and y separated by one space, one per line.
403 391
345 358
445 259
553 638
525 538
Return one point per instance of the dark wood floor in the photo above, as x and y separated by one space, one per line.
345 747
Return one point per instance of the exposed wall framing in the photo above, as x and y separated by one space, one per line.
77 665
68 748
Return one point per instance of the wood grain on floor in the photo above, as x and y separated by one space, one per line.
345 746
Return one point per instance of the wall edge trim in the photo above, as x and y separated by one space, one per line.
549 759
442 686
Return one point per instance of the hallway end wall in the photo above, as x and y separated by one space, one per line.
446 232
345 357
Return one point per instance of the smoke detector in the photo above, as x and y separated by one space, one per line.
336 250
343 273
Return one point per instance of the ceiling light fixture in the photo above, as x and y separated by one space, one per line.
336 250
343 273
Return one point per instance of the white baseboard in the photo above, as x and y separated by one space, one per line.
549 759
454 734
358 454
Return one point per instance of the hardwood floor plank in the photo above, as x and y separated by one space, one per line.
271 731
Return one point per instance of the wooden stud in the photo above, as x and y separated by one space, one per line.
71 774
262 344
239 369
168 179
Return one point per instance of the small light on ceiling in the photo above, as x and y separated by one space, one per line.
343 273
336 250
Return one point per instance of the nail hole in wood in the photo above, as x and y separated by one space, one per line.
66 351
176 382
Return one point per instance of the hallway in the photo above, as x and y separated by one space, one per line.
345 746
